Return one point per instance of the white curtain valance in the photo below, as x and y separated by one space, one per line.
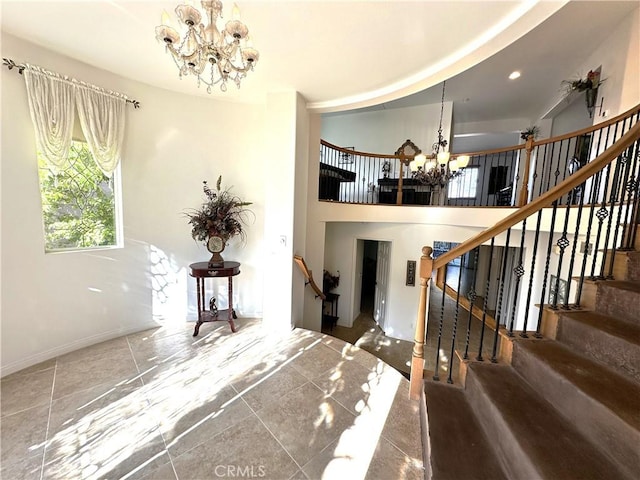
102 121
51 102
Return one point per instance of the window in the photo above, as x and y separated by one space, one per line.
465 185
78 203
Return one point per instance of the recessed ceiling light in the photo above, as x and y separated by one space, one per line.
514 75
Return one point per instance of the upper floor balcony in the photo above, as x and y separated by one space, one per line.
505 177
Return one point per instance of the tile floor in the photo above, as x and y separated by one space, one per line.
367 335
162 404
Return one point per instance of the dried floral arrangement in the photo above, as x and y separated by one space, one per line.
592 80
223 214
329 281
533 131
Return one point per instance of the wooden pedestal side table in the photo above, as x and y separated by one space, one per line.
202 270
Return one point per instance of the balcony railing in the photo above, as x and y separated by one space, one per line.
506 177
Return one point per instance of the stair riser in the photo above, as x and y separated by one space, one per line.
595 421
618 303
633 267
511 456
620 265
625 265
618 353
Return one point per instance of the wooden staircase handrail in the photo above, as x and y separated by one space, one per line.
356 152
308 275
545 200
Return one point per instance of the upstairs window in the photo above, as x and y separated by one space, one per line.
79 202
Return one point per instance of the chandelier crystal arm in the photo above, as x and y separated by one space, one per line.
208 48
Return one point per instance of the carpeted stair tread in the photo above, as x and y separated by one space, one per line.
623 285
616 392
549 443
605 339
610 325
459 447
619 299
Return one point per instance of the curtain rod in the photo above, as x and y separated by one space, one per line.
10 64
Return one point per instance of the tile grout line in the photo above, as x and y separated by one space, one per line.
164 441
269 430
46 434
300 468
278 441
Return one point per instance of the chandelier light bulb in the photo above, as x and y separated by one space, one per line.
429 166
235 13
443 158
413 165
453 166
165 19
420 160
463 161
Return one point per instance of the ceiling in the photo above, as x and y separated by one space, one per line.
348 54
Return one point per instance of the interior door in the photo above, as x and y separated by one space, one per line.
382 281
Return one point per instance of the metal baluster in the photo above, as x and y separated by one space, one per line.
533 269
321 179
534 156
615 186
595 187
436 375
546 266
631 187
455 321
471 295
519 271
485 303
566 160
484 196
563 243
500 295
581 189
557 171
601 214
552 145
625 158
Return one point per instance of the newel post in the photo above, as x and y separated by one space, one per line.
524 191
417 358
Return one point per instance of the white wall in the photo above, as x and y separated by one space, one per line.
574 117
285 182
313 249
54 303
383 131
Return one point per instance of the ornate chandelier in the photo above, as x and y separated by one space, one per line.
440 170
214 55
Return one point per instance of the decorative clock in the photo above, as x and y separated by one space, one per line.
216 245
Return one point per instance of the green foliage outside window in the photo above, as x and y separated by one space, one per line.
78 203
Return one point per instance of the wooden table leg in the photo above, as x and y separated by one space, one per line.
232 313
200 292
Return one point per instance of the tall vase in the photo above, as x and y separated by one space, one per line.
590 97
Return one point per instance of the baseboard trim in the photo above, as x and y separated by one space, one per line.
70 347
